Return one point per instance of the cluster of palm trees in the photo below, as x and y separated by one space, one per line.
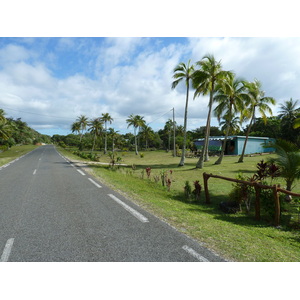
98 127
234 97
95 126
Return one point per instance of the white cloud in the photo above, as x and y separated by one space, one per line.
13 53
134 75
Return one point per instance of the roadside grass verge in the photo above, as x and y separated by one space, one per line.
236 237
15 152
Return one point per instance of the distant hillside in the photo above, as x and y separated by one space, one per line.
16 132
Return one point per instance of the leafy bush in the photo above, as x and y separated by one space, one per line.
197 190
242 193
187 190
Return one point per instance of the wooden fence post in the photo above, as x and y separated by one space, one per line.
205 179
257 201
277 206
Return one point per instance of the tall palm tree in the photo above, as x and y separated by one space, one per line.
75 127
288 110
183 72
137 122
147 133
169 129
205 81
96 128
288 114
230 98
106 118
83 122
113 134
257 101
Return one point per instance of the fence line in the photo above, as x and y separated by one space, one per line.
257 186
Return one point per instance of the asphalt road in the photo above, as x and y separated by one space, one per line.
52 211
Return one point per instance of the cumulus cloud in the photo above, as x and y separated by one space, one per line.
50 82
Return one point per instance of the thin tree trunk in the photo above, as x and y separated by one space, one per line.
105 141
94 142
219 160
181 163
135 141
241 159
204 152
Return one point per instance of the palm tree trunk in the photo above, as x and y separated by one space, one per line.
105 141
204 152
219 160
241 159
135 141
94 142
181 163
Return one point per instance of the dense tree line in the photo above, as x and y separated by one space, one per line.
16 132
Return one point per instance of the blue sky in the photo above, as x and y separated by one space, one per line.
49 82
59 61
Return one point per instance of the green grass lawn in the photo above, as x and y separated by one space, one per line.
15 152
237 237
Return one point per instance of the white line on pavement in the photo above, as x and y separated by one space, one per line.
7 249
131 210
34 172
80 172
95 183
194 253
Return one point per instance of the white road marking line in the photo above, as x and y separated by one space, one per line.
80 172
194 253
34 172
95 183
129 209
7 250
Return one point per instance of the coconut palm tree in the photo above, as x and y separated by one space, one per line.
234 125
83 122
288 114
169 129
205 81
183 72
5 129
257 101
296 123
2 114
230 97
113 135
75 127
288 160
137 122
288 110
106 118
147 133
96 128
